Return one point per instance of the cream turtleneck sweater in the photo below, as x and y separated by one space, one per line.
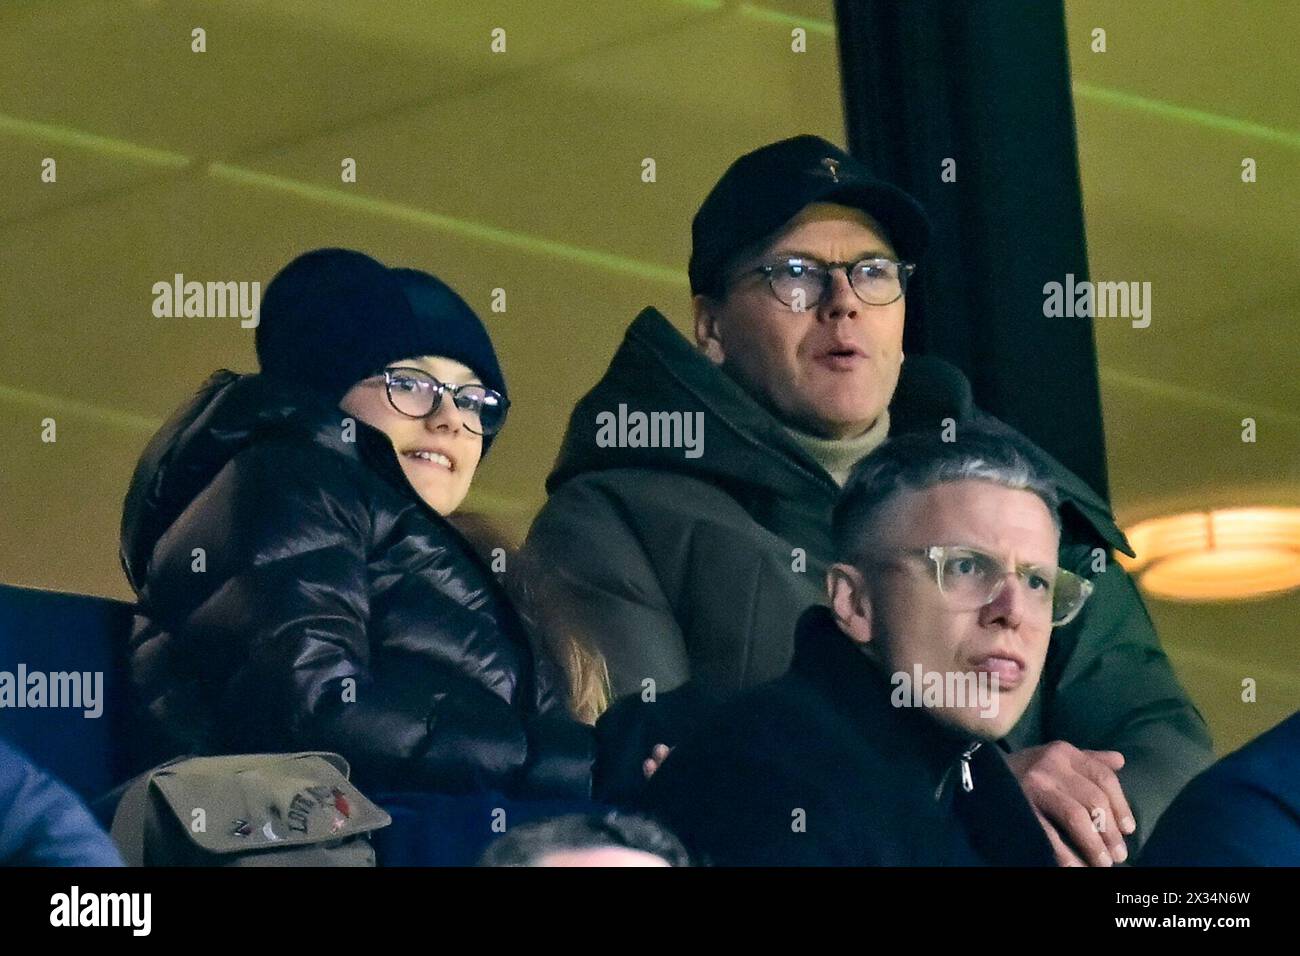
839 455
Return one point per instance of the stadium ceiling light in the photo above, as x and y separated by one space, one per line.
1229 554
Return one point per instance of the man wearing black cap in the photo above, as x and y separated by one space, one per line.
690 572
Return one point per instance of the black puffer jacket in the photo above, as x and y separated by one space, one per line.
295 593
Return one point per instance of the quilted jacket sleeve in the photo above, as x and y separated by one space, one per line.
277 620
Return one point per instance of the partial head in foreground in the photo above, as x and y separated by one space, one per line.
611 839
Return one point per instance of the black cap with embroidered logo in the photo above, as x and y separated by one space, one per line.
765 189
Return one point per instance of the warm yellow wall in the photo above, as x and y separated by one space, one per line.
522 170
1181 95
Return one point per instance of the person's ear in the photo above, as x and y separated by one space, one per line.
706 328
850 602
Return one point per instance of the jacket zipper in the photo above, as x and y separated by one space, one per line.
967 781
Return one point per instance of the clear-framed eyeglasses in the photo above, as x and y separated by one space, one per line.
971 578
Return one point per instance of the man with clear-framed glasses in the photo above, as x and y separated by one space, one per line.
690 573
945 571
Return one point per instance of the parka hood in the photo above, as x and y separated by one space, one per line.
229 413
744 448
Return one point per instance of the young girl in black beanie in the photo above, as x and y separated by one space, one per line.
299 585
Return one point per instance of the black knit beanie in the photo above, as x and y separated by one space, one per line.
333 317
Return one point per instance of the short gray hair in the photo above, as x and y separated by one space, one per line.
921 460
528 843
